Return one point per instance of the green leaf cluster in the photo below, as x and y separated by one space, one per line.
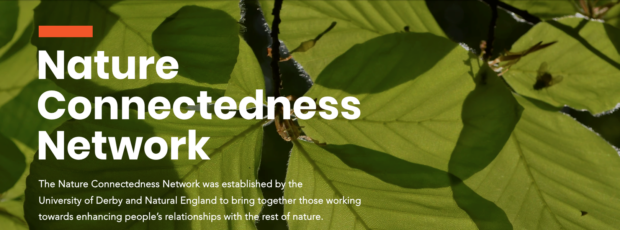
443 142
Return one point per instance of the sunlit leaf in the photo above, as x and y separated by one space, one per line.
25 15
613 16
586 56
402 95
550 171
12 215
382 204
357 22
18 57
449 124
19 66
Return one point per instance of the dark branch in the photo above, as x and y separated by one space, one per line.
275 48
491 32
530 19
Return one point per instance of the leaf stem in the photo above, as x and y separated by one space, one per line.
275 47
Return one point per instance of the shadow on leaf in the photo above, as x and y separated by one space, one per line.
486 214
614 35
393 170
466 22
390 169
20 43
12 163
490 114
574 32
384 62
205 42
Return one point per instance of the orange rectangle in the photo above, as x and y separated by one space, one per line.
65 31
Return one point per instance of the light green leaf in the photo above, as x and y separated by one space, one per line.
12 215
12 164
400 93
131 29
457 123
24 20
357 22
613 16
551 170
246 76
234 156
383 205
12 201
586 57
20 118
19 66
9 11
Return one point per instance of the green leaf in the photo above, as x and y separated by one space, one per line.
400 93
357 22
20 121
246 77
233 149
12 215
18 58
605 125
131 29
12 201
19 66
455 124
16 193
383 205
350 171
24 20
20 118
613 16
205 42
8 21
586 57
12 164
550 171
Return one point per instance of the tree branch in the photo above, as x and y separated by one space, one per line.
275 48
530 19
491 32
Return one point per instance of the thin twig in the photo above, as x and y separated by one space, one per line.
491 32
530 19
275 45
